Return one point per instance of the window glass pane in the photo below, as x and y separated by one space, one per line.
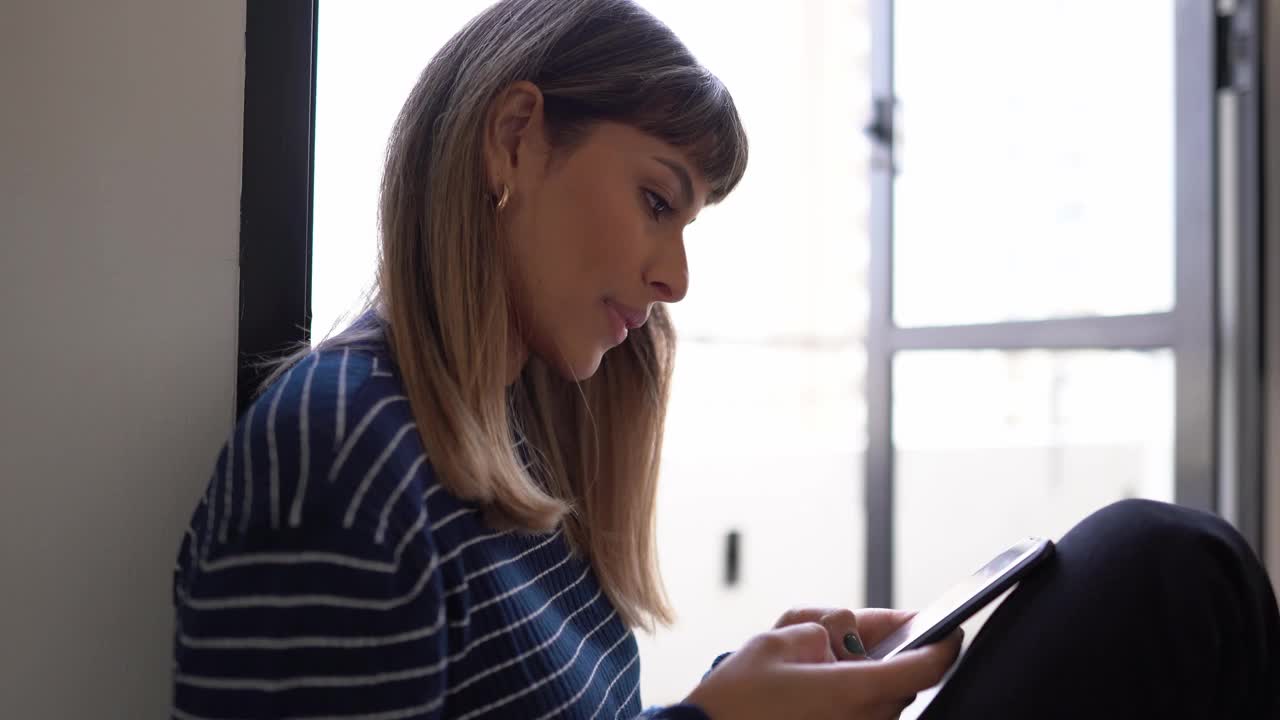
765 430
1036 173
991 446
766 427
369 55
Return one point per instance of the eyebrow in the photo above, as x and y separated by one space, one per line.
686 183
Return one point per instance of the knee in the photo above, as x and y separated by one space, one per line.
1148 531
1147 516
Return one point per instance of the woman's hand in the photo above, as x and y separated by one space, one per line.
791 672
868 627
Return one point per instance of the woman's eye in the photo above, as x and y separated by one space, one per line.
657 205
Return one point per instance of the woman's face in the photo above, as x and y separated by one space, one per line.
596 232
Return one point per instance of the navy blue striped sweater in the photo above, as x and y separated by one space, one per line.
326 574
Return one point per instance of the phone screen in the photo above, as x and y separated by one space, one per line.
970 596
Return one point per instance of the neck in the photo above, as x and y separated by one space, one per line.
519 356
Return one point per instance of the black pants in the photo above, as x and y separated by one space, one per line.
1148 610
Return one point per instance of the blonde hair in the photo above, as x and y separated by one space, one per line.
592 449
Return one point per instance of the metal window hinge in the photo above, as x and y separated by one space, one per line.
882 130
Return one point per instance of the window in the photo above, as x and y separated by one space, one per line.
1035 291
994 445
1044 290
1035 189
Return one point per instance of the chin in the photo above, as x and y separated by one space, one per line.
583 369
574 368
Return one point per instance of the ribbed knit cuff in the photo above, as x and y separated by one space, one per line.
683 711
716 663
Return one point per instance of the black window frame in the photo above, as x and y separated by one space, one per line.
276 188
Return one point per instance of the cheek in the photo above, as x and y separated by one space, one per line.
584 239
559 250
600 241
592 243
614 243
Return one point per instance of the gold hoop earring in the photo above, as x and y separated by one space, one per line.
506 196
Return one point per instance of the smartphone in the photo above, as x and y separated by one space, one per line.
963 600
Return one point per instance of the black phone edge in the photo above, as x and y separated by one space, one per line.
957 617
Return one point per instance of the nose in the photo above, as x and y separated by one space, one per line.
669 276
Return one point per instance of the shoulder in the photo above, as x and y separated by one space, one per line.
336 395
330 437
312 391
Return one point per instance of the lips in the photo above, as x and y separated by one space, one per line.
632 317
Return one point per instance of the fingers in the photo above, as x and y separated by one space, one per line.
842 632
842 626
875 689
798 615
870 625
875 624
867 689
890 710
914 670
802 643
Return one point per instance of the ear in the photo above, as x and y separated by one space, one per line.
513 133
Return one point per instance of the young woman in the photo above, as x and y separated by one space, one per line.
446 511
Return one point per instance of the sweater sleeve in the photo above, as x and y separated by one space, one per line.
313 613
682 711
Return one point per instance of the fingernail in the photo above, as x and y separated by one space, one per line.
853 644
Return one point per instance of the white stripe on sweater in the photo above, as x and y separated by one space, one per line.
248 472
304 446
587 684
458 687
339 642
410 535
272 453
400 714
333 600
363 425
530 688
494 566
451 517
339 423
363 642
318 641
518 588
404 483
512 626
634 659
385 715
307 681
308 557
627 700
291 601
373 471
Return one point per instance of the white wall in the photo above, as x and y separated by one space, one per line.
120 147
